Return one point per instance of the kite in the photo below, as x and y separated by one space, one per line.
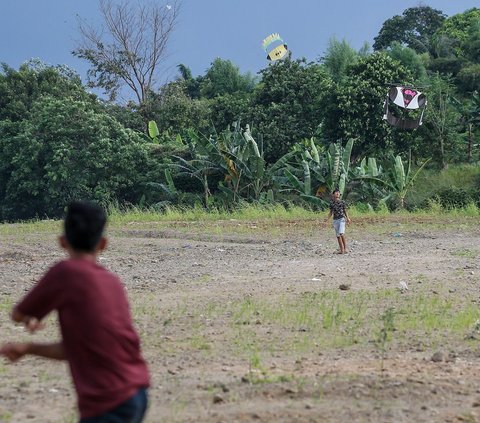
275 47
406 98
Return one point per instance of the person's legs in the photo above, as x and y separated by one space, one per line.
336 226
340 231
131 411
344 243
340 244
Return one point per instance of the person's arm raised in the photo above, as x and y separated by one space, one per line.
15 351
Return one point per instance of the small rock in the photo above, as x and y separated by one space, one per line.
344 287
437 357
217 399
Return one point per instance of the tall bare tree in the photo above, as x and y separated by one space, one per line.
130 46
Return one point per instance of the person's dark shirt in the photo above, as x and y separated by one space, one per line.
338 209
100 343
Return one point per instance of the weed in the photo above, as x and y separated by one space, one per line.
384 335
5 416
465 253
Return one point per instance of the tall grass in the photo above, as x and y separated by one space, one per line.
245 212
429 182
121 216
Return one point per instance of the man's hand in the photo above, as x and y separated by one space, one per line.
14 352
32 324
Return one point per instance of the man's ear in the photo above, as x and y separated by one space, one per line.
63 242
102 244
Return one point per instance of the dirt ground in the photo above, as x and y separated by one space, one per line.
207 301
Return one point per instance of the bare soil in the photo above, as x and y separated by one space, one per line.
188 281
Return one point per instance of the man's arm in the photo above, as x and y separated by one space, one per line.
30 322
15 351
346 215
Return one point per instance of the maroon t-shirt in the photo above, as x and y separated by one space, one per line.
101 345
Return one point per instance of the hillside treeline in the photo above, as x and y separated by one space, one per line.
289 133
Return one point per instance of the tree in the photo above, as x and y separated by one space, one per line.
20 89
458 29
130 47
175 112
410 59
287 105
339 56
223 77
442 120
355 107
414 29
192 84
64 151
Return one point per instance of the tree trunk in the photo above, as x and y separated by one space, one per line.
470 143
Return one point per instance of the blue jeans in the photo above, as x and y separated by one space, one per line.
130 411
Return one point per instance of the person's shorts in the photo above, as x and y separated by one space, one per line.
339 226
131 411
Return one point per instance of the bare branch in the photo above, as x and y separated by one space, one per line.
130 47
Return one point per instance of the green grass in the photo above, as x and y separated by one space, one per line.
455 176
255 329
215 220
30 227
467 253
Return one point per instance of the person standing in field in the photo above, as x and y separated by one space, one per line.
338 210
97 335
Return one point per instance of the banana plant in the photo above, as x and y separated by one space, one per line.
324 172
368 167
338 161
397 180
153 131
248 173
202 164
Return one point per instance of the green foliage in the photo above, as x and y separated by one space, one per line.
338 57
410 59
414 28
385 333
355 108
397 181
175 112
66 151
225 110
441 123
313 175
457 28
453 198
288 105
19 90
469 78
223 77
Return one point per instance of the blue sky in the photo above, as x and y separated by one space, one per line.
230 29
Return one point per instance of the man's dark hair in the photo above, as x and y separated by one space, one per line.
84 224
335 190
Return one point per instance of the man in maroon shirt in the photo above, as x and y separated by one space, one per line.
98 338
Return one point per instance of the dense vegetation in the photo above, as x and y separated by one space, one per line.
288 135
